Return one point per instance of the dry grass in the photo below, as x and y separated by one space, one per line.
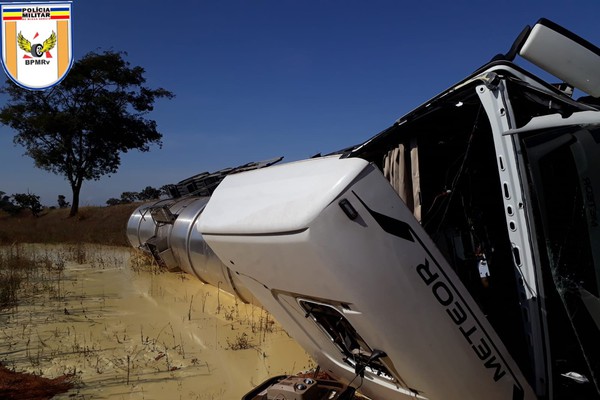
102 225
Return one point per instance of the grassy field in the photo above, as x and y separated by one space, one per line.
99 225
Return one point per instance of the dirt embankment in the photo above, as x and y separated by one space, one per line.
100 225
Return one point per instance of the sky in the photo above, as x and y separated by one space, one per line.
257 79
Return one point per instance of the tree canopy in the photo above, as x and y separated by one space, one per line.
80 127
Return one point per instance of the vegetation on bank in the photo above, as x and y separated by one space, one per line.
101 225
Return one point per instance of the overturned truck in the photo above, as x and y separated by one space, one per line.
455 255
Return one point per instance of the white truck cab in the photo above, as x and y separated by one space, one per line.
454 255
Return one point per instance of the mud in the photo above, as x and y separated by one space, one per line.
120 328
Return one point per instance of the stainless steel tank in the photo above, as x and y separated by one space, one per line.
141 226
167 230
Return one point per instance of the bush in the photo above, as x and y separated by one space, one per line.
7 205
30 201
113 202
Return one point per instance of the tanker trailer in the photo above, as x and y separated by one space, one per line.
166 230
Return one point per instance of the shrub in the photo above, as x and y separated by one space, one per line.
30 201
7 205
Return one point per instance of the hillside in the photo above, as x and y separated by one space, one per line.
102 225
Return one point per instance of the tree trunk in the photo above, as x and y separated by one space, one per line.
75 202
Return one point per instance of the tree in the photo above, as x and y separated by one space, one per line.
113 202
62 201
28 200
80 128
129 197
149 193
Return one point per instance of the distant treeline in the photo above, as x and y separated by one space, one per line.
13 204
19 201
148 193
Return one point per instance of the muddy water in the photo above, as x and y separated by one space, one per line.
127 331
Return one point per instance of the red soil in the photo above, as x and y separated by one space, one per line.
19 385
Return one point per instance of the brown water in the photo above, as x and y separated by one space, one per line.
139 334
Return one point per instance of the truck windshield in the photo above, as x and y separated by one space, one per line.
564 176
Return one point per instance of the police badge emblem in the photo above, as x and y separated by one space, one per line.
36 43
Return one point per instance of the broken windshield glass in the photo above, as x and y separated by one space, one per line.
564 170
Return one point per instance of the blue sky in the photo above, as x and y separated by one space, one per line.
256 79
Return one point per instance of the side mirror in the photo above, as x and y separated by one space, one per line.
563 54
